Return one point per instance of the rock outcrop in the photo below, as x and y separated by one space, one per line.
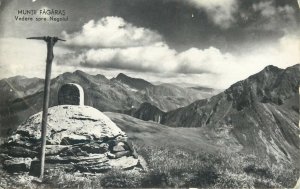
79 138
147 112
258 115
136 83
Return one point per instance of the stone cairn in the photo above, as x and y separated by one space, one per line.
79 138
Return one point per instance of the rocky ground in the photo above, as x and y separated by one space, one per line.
79 139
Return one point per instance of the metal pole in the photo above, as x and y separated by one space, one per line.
50 43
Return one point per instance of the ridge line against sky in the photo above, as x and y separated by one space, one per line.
207 43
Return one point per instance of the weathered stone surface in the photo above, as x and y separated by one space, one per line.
100 167
56 149
4 157
73 123
75 159
75 139
18 151
121 154
71 94
17 165
95 148
73 151
119 147
124 162
79 138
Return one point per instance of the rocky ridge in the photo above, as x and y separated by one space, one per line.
147 112
258 115
135 83
118 94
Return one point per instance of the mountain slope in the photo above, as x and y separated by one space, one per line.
164 96
135 83
18 87
236 162
147 112
169 97
259 115
106 95
270 86
145 133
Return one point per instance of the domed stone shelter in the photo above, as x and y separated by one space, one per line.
79 138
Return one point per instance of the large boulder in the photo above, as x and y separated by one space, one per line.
79 138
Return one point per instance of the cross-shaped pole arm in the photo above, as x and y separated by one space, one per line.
50 44
46 38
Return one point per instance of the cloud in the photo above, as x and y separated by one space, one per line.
159 58
267 14
211 66
221 12
266 8
111 32
155 60
274 17
24 57
151 55
202 61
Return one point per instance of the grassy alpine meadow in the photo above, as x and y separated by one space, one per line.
176 158
171 167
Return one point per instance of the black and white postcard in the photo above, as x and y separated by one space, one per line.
149 94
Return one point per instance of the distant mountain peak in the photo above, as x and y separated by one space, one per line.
265 73
79 72
296 66
272 84
271 68
86 75
121 75
136 83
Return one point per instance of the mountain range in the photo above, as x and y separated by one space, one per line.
23 96
257 116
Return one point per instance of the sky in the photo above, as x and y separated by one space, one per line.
211 43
